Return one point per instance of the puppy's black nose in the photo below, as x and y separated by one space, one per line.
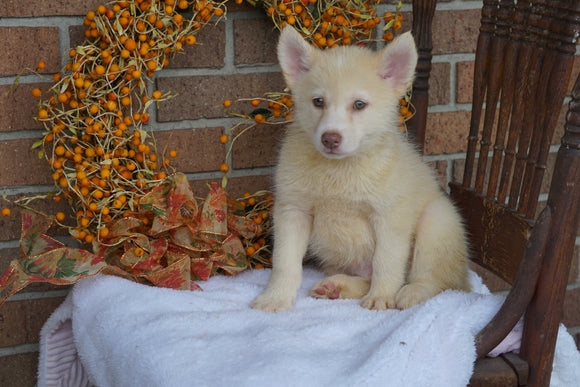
331 140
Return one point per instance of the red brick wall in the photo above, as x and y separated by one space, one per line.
236 58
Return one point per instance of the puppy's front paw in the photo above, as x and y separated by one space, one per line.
269 302
378 302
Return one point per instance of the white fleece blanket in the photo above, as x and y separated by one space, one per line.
113 332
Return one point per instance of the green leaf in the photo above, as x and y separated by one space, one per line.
265 112
37 144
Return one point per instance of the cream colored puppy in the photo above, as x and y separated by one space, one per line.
352 190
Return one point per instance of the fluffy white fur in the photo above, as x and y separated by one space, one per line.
353 191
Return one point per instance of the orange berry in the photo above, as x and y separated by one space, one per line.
6 212
190 40
36 92
156 94
130 44
388 36
152 65
104 232
139 252
255 102
111 105
227 103
224 168
173 153
260 119
41 65
224 139
250 250
100 69
60 216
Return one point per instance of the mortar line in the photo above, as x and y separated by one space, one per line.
19 349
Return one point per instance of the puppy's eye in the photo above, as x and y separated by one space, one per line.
359 105
318 102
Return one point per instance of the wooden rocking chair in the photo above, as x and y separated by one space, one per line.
524 59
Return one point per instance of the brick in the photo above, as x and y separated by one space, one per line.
239 185
447 132
255 41
258 147
455 31
439 84
440 169
11 226
18 107
20 165
17 8
202 96
464 92
21 321
571 315
208 51
24 47
19 370
198 150
76 35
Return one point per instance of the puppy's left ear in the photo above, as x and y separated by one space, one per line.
397 63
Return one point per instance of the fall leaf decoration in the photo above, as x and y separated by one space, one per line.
171 241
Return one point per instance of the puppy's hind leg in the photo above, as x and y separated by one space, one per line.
439 258
341 286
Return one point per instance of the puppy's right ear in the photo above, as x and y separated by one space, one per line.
295 55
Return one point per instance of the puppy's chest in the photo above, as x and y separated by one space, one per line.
341 226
